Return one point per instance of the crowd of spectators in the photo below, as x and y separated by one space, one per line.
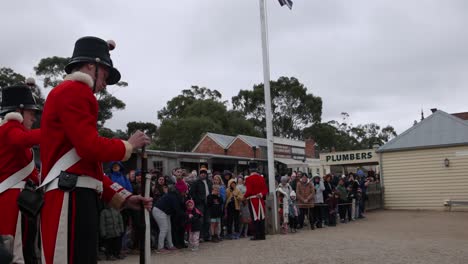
195 207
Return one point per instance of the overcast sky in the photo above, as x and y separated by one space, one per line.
380 61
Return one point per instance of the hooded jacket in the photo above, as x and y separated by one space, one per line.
119 177
234 194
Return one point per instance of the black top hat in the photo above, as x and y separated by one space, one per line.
253 166
92 49
17 96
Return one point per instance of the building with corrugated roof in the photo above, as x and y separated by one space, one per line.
427 164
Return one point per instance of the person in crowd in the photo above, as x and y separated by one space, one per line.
363 184
111 228
319 205
240 184
215 211
164 209
327 193
199 192
217 180
283 210
293 212
117 174
131 177
343 202
193 220
295 177
285 186
17 167
332 205
245 217
352 186
178 223
159 188
256 191
232 207
191 178
227 175
305 201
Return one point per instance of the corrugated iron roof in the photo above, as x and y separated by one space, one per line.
438 130
254 141
222 140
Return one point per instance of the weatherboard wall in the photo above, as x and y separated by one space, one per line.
419 179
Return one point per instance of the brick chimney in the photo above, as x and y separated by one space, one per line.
310 148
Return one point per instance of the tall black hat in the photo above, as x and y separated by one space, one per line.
92 49
17 96
253 166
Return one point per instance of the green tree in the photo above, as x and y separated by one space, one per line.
343 136
52 69
293 108
188 116
150 129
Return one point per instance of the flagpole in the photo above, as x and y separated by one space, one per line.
268 114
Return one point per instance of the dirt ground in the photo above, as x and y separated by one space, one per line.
383 237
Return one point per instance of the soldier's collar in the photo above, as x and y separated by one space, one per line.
80 77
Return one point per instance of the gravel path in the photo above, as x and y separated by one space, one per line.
383 237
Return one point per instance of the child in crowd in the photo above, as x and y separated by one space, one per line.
232 207
332 204
193 224
245 219
293 212
283 210
215 210
111 231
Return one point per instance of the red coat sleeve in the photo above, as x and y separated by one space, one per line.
79 117
23 138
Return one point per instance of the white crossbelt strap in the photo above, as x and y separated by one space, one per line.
65 162
17 177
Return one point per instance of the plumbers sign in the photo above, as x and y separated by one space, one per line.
349 157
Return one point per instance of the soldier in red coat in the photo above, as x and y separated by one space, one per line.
256 191
72 154
18 110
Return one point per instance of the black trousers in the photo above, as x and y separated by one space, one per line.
113 246
303 212
332 219
343 209
205 231
232 218
178 232
259 227
83 227
318 216
292 222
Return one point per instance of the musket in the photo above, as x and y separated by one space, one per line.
145 242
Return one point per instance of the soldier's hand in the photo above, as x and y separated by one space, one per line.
138 139
135 201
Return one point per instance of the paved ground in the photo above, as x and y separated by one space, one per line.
384 237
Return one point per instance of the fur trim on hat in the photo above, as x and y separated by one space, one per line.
80 77
15 116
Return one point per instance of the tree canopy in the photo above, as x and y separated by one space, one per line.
293 107
196 111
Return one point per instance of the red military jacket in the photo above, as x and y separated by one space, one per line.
69 121
255 184
15 153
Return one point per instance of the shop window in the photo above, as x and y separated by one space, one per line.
158 165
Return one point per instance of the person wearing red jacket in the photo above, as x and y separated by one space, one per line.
73 183
256 191
18 110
